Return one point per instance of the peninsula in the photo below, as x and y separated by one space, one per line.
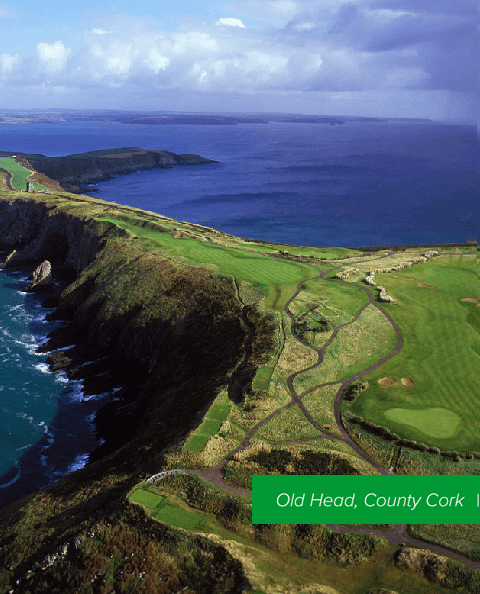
80 170
238 357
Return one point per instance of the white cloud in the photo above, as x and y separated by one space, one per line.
9 63
155 61
230 22
52 57
314 46
99 32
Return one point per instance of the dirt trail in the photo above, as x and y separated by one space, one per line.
396 536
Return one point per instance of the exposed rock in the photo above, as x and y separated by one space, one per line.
41 277
7 259
384 296
345 274
432 566
62 239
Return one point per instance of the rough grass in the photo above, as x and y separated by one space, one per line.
352 349
463 538
264 459
440 353
319 404
287 425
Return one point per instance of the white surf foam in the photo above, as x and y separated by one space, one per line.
14 480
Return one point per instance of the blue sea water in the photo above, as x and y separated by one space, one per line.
46 423
350 185
353 184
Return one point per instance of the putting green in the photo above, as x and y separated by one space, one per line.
434 422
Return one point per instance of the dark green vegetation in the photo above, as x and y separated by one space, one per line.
238 472
196 317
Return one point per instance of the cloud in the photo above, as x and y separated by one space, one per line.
52 57
307 46
230 22
99 32
9 64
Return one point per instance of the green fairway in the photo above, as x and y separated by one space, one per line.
440 354
179 518
262 378
20 175
218 412
211 424
145 498
435 422
270 274
196 443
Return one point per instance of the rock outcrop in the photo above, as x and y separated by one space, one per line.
431 565
41 277
39 232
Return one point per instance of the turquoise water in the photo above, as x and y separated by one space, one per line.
46 424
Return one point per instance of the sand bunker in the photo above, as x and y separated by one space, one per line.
469 300
424 286
404 277
407 382
386 381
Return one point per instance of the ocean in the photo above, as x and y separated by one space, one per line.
356 184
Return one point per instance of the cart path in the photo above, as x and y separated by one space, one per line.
396 536
8 179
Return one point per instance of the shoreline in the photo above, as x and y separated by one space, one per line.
81 396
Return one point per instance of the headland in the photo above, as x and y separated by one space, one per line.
239 358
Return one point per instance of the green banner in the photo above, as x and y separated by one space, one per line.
343 499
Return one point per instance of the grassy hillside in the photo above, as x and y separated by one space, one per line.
233 343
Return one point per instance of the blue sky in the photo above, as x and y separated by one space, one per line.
404 58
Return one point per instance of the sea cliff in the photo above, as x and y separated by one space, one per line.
171 334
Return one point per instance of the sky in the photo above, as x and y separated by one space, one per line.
385 58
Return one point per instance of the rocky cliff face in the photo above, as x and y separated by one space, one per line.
89 168
177 329
38 232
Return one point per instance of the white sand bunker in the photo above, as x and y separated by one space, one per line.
407 381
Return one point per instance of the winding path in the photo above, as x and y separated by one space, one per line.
8 179
396 536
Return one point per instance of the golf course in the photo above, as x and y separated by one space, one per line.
332 361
